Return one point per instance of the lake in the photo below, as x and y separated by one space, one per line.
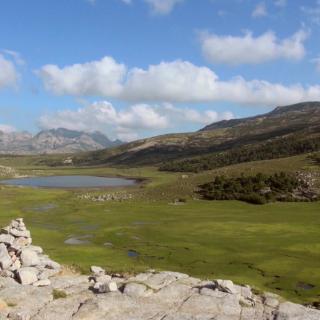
70 182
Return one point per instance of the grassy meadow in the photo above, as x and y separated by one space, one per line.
274 247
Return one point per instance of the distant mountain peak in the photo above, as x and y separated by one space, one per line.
57 140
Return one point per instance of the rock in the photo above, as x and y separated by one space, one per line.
6 239
48 263
19 316
291 311
15 266
29 258
136 290
21 242
5 260
97 270
7 274
20 233
27 275
5 230
102 278
42 283
36 249
105 287
225 286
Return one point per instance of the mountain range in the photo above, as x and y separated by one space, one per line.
285 131
53 141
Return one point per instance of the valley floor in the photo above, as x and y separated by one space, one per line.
274 247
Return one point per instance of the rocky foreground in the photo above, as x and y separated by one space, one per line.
151 295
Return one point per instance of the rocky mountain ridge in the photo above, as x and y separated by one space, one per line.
299 123
150 295
53 141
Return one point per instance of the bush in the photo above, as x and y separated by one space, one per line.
258 189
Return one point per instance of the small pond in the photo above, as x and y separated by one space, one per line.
70 182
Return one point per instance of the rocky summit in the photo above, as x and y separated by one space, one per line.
26 292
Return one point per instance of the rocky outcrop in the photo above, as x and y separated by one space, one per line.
22 261
150 295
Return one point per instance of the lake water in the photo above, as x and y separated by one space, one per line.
70 182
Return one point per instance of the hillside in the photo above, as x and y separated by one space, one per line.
286 131
53 141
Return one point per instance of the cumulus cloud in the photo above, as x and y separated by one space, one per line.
162 6
248 49
177 81
102 78
260 10
8 73
7 128
131 123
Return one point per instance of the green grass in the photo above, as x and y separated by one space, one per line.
272 247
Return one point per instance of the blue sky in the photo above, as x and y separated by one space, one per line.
144 67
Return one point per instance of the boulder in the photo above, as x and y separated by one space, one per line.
5 260
27 275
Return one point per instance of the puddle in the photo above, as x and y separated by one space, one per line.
78 240
44 208
143 223
305 286
89 227
133 254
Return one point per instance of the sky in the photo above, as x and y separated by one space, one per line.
138 68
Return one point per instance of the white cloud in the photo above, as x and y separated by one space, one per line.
7 128
15 55
129 124
177 81
280 3
248 49
260 10
8 73
102 78
162 6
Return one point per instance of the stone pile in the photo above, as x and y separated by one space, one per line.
22 261
106 197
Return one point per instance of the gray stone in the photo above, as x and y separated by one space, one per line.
225 286
27 275
5 260
97 270
19 233
136 290
6 239
29 258
105 287
36 249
